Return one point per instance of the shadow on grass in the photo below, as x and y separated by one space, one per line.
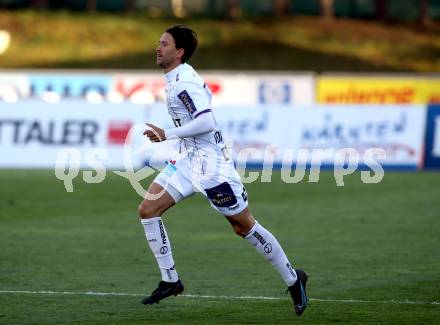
245 55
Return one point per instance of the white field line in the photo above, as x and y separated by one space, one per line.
94 293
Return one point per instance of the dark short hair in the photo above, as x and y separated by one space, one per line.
185 38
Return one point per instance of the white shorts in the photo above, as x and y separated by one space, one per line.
218 181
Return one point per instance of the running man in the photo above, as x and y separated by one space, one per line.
203 166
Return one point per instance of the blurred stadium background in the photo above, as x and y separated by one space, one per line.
286 74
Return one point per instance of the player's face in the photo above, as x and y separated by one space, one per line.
167 56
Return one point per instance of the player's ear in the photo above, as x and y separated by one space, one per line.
180 53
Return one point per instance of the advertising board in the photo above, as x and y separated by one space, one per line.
148 87
357 89
319 133
432 140
33 132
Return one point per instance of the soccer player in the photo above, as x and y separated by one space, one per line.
203 166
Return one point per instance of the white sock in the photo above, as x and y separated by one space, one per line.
160 246
267 245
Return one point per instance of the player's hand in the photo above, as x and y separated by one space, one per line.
154 133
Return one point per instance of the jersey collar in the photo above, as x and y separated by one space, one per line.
171 75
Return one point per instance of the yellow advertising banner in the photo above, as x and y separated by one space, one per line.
378 90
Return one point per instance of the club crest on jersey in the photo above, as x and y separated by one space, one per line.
187 102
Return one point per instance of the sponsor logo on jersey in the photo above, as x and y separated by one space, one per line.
187 102
218 137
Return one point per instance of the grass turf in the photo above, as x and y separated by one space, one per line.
369 242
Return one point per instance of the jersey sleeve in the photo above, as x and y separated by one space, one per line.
204 124
193 97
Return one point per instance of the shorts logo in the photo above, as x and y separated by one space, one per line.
222 196
163 250
169 170
268 248
187 102
244 195
236 206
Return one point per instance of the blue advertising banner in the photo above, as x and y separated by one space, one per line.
69 85
432 138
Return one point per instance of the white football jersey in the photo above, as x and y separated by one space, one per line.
204 164
188 97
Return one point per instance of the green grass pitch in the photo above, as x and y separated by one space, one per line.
372 250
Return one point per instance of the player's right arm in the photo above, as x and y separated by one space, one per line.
201 124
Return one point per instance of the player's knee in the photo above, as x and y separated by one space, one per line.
242 224
239 229
148 209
